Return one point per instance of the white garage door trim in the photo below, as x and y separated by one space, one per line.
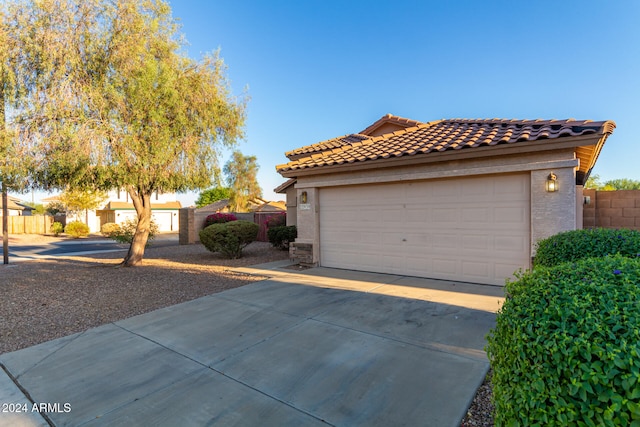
473 229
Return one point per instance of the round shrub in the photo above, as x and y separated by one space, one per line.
77 229
109 228
281 236
219 218
229 238
578 244
566 346
57 228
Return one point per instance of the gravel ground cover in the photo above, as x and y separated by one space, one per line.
51 298
47 299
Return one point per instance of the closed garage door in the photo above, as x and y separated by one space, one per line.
164 220
466 229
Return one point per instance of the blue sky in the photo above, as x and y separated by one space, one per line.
319 69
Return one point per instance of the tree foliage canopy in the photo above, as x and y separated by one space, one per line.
108 99
79 200
242 177
212 195
612 184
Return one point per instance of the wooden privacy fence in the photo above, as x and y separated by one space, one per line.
36 224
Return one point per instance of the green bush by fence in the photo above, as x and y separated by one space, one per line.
229 238
280 236
578 244
566 346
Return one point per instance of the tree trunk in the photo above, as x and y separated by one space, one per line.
142 203
5 199
5 225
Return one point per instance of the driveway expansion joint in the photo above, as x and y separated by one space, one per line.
25 393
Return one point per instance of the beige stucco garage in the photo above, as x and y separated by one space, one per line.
462 200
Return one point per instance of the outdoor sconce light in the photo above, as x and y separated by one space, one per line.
552 183
303 197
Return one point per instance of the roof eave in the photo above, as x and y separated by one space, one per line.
282 188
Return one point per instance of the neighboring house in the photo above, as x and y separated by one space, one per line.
16 207
117 207
462 200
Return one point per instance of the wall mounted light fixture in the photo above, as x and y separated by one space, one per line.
303 197
552 183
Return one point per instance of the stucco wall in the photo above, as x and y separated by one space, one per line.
612 209
554 212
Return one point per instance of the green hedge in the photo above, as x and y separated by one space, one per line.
566 346
229 238
281 236
578 244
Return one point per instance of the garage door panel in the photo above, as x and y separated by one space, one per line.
443 241
479 270
477 242
468 229
510 214
417 215
477 215
445 266
445 215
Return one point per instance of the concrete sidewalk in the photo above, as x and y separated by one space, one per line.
303 348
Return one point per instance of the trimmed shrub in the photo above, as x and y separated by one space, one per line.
77 229
566 346
281 236
108 228
277 220
57 228
229 238
578 244
125 231
219 218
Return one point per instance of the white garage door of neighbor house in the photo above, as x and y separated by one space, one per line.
164 221
466 229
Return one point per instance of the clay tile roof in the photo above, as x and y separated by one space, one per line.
328 145
419 138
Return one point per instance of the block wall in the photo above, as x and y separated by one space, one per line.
612 209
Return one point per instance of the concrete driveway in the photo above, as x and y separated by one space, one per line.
302 348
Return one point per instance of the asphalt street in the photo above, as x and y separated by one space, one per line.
30 251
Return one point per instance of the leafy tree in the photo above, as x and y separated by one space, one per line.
623 184
594 182
241 172
38 208
11 166
75 201
113 102
213 195
54 208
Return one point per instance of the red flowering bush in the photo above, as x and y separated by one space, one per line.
219 218
277 220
